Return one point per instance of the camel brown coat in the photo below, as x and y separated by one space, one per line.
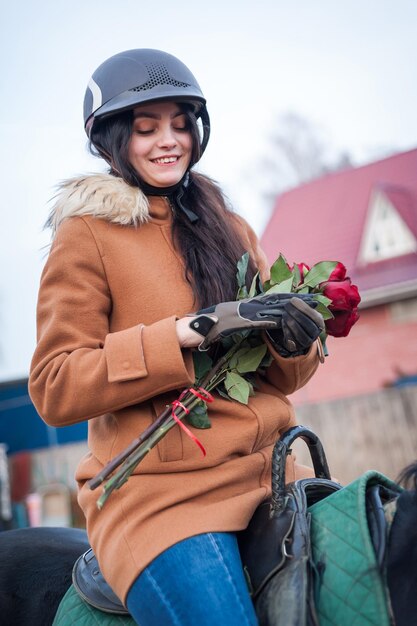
111 291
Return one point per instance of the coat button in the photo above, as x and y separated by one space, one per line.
126 365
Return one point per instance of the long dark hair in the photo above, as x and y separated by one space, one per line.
210 247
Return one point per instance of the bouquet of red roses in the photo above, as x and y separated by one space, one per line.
242 355
327 280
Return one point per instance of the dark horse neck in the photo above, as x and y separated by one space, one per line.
402 557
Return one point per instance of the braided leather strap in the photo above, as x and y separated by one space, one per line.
280 452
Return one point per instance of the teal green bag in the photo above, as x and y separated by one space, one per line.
350 588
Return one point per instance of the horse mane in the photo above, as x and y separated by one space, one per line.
408 477
402 551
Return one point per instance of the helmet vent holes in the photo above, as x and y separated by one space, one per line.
158 75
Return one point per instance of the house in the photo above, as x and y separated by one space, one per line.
366 218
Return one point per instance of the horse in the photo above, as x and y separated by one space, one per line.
35 572
36 565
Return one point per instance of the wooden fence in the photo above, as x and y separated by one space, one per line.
376 431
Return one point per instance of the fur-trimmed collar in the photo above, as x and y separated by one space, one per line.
101 195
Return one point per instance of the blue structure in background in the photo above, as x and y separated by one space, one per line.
21 428
406 381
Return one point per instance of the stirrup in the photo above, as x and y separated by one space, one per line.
91 586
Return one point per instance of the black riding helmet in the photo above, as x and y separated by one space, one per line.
134 77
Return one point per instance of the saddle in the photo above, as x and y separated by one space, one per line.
90 600
91 585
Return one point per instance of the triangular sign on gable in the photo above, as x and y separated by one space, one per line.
386 235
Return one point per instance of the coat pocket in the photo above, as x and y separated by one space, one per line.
170 448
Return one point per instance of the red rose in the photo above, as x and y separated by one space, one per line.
342 322
345 299
339 272
303 268
342 293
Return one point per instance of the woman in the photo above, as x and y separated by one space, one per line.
134 252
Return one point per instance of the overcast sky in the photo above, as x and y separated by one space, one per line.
348 66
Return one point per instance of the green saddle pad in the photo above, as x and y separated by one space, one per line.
351 589
73 611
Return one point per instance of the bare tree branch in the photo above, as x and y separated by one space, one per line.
298 152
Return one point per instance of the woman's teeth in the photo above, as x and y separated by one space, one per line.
166 160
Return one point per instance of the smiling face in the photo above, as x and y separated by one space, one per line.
160 146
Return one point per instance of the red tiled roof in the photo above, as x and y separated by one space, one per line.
324 219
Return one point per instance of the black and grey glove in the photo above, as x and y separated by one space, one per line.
290 319
300 327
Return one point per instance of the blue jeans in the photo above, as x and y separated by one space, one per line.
198 581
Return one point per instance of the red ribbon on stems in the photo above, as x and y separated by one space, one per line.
203 395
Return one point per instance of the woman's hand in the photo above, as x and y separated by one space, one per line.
291 316
300 326
187 337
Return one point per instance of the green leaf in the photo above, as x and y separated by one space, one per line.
242 293
280 271
284 287
251 389
237 387
327 315
233 362
198 416
297 276
323 338
319 273
250 360
323 303
237 337
320 298
227 342
242 268
222 393
202 364
252 290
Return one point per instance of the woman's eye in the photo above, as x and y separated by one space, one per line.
181 123
143 131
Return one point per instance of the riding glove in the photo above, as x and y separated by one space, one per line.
290 319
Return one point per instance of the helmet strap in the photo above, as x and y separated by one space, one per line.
174 193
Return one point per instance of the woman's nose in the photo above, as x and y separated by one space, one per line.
166 137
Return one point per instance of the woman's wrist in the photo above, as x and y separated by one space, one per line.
187 338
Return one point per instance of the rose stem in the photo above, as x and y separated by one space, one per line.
130 464
158 424
111 466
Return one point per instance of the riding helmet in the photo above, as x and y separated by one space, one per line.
134 77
